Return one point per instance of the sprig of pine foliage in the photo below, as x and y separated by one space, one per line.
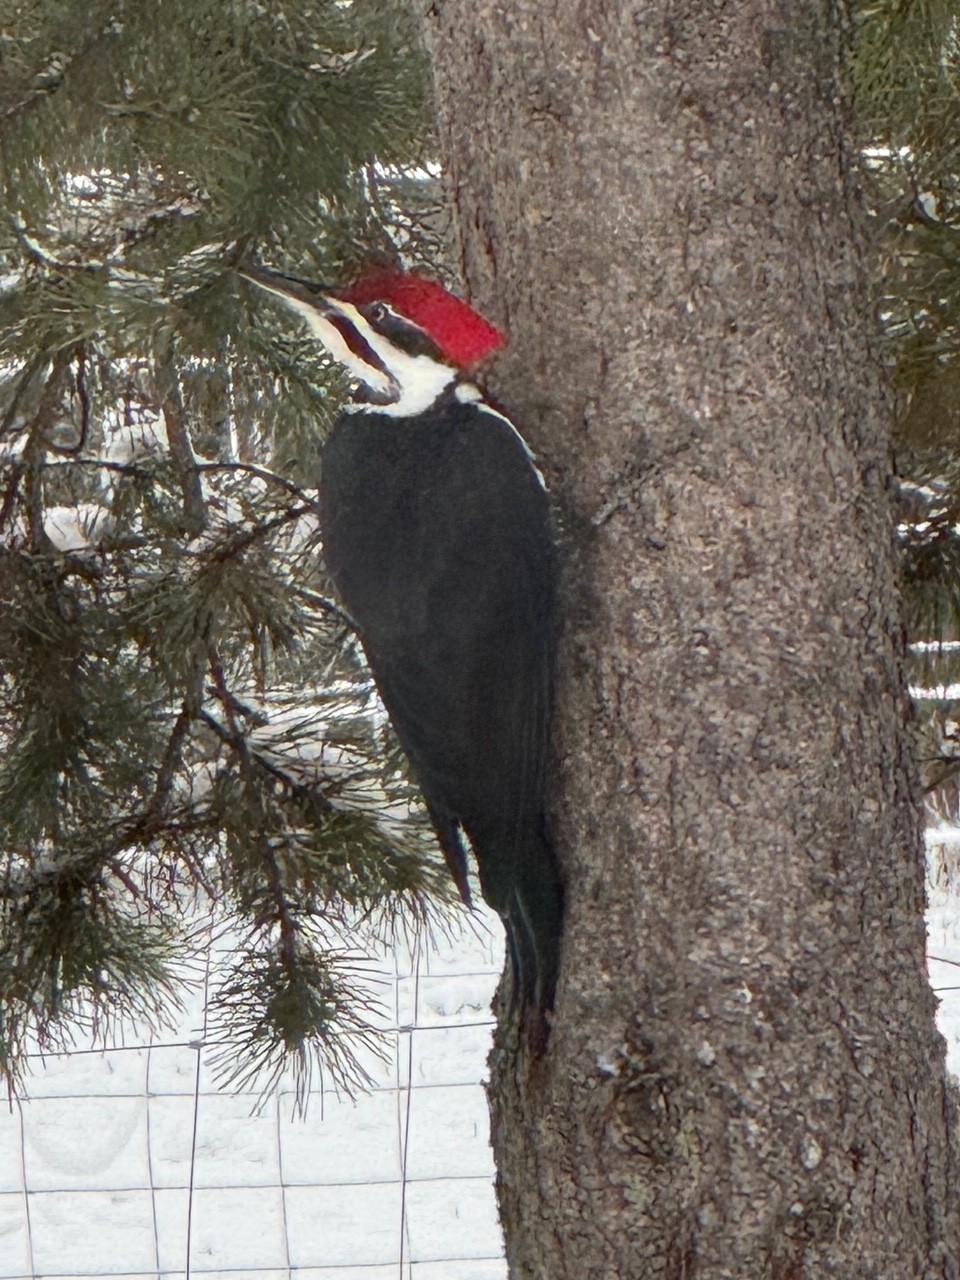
905 73
184 711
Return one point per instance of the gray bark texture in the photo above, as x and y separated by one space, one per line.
743 1080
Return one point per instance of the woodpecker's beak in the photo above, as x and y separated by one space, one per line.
338 325
291 289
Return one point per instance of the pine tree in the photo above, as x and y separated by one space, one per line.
905 75
184 712
184 709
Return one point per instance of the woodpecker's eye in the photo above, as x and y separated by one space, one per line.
378 312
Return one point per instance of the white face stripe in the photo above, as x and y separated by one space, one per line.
331 338
420 379
414 382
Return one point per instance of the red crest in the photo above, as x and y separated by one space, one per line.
462 335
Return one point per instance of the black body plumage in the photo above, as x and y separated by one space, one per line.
437 535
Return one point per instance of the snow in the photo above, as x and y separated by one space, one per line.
132 442
78 527
121 1162
943 934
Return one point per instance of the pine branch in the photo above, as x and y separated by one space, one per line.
153 580
181 450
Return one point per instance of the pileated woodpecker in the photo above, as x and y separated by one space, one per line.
437 534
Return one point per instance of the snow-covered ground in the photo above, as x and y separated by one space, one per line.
943 934
131 1163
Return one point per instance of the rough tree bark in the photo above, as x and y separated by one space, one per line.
743 1077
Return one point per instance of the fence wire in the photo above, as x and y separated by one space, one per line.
131 1163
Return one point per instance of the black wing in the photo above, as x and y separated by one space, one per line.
437 535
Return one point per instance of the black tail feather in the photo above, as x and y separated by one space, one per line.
450 839
533 917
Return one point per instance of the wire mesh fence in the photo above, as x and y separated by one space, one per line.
131 1162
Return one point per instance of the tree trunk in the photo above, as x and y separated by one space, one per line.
743 1078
